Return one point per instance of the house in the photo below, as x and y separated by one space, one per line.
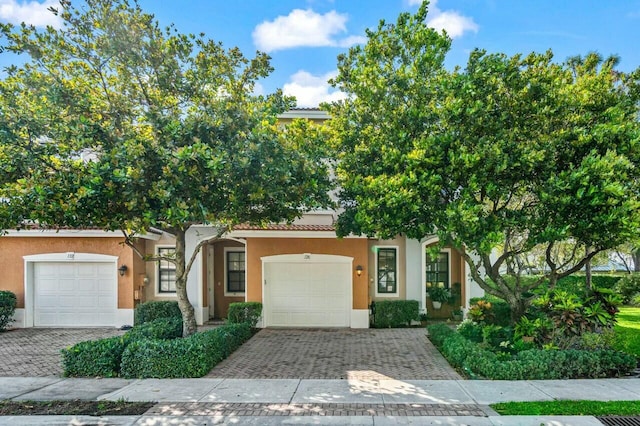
302 273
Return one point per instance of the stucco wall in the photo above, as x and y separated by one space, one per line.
220 301
352 247
12 249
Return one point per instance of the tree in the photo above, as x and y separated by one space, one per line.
113 122
519 153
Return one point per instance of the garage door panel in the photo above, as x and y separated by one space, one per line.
74 294
307 294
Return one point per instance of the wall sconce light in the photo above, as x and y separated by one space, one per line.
122 270
359 270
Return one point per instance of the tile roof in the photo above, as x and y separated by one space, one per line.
284 227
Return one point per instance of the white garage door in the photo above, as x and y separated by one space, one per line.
74 294
307 294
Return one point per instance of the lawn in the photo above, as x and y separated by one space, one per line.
568 408
628 330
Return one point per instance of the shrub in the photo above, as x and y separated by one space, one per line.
490 310
244 312
94 358
155 309
192 356
102 358
534 364
161 328
438 333
395 313
628 286
470 330
7 308
635 300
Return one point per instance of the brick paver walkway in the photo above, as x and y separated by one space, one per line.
402 354
326 409
36 351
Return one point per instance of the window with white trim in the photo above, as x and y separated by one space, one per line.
387 270
235 271
166 271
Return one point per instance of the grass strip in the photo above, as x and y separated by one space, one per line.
568 408
628 330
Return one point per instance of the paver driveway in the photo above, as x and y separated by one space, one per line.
402 354
36 351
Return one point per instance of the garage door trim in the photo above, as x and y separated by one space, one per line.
304 258
70 257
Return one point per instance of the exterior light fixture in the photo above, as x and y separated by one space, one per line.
359 270
122 270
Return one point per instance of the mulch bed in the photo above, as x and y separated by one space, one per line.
73 407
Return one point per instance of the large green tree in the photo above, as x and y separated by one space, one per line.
507 155
116 123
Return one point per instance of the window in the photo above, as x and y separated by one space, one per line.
438 270
387 270
166 271
235 264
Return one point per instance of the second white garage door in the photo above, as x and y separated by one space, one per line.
307 292
74 294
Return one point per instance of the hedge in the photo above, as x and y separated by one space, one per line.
533 364
395 313
7 308
102 358
149 311
244 312
192 356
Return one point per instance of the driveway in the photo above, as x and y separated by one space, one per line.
365 354
31 352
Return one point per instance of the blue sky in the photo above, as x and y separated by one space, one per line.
304 37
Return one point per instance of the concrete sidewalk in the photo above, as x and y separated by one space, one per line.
310 401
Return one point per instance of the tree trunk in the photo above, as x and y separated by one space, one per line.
518 307
635 255
189 325
587 270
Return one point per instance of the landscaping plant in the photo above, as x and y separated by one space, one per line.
7 308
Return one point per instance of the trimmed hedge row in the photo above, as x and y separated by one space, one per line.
244 312
533 364
7 308
193 356
395 313
103 357
152 310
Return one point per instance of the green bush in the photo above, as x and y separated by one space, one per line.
244 312
470 330
102 358
438 333
628 286
534 364
161 328
7 308
94 358
395 313
155 309
493 309
192 356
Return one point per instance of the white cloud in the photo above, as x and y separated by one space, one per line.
29 12
311 90
303 28
451 21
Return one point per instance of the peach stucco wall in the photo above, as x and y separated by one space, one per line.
12 249
220 301
352 247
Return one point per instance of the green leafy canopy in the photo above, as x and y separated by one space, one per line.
506 155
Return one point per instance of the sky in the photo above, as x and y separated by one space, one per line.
304 37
